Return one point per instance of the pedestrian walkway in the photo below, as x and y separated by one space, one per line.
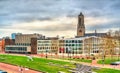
15 69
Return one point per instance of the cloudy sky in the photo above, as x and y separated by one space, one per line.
57 17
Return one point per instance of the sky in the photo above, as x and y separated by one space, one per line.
57 17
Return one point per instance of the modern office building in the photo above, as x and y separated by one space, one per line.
48 45
13 35
82 45
17 49
23 44
75 46
93 45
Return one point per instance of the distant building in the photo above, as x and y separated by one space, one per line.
49 45
83 45
80 25
72 46
2 45
9 42
25 39
23 44
13 35
81 29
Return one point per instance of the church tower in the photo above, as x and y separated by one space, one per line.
80 25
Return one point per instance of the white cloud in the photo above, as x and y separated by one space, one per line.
97 21
64 26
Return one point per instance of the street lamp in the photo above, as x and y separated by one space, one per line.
103 57
73 53
119 43
69 52
46 53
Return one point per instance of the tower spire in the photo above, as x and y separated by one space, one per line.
80 25
80 13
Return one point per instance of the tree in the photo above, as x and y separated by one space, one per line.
109 46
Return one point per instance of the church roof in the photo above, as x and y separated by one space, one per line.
96 34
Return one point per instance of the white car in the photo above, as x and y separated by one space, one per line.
115 63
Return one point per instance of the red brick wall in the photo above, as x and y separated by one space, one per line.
33 45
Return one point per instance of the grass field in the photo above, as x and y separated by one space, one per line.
108 60
81 60
41 64
107 70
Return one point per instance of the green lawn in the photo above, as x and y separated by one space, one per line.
106 70
82 60
41 64
108 60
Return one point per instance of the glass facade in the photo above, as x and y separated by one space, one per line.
49 46
71 46
16 49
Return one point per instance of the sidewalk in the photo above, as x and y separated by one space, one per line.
15 69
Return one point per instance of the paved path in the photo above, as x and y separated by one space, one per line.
15 69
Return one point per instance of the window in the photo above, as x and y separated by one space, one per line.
72 41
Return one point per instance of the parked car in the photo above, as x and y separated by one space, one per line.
115 63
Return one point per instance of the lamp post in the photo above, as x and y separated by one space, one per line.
103 57
118 55
119 44
69 52
46 53
73 53
62 50
119 48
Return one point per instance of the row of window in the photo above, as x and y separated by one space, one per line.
24 44
49 48
43 51
40 48
73 41
73 44
44 44
16 48
65 41
44 41
72 52
60 45
47 45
